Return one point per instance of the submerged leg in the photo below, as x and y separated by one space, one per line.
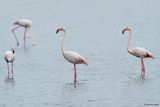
75 74
142 68
15 34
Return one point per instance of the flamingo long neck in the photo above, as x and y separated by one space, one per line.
62 43
129 42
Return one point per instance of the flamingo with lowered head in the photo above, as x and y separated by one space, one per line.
138 51
71 56
26 23
9 58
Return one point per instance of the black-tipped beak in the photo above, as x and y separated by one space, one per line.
15 23
13 51
123 31
57 31
60 29
126 29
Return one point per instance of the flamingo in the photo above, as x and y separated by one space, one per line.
138 51
9 58
71 56
26 23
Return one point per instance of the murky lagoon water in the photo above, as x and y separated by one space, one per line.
42 78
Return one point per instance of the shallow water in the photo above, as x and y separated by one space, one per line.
42 77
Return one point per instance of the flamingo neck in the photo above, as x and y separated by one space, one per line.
62 43
129 42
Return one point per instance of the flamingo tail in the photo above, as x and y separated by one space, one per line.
150 55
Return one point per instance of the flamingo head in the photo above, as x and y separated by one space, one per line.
16 22
60 29
126 29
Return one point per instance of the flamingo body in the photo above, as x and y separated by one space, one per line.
141 52
9 56
23 22
74 57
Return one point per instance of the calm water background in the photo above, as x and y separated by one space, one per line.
42 78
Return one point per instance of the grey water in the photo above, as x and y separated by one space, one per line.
43 78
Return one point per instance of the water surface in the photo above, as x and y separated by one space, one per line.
42 78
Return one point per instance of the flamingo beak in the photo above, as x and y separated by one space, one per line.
126 29
60 29
15 23
13 50
57 31
123 31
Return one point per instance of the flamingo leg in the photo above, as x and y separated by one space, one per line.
75 74
12 69
15 34
8 70
28 35
143 68
25 32
28 32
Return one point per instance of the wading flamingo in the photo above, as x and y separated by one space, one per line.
71 56
9 58
26 23
138 51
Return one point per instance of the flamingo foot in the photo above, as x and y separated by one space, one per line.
75 81
10 77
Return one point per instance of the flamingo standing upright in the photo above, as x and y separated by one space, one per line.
26 23
9 58
71 56
138 51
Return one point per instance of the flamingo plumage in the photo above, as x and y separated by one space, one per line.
138 51
25 23
9 58
71 56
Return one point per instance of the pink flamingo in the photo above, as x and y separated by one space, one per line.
9 58
26 23
71 56
138 51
